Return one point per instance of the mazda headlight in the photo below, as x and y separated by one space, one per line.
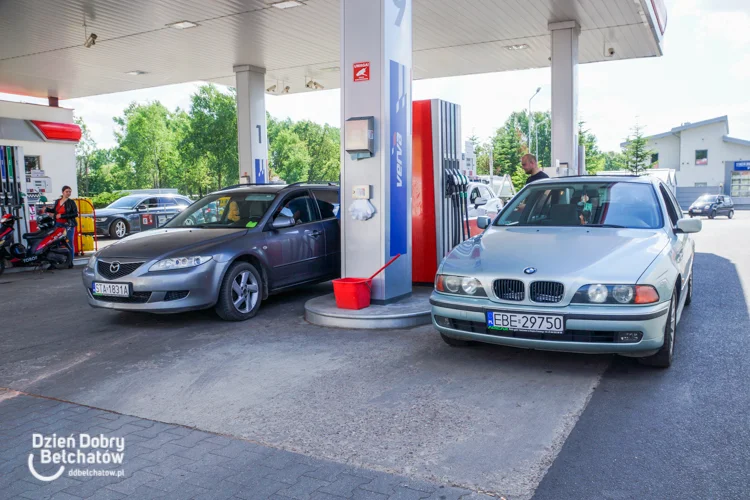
459 285
179 263
616 294
91 263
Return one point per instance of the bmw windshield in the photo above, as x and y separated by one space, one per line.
225 210
592 204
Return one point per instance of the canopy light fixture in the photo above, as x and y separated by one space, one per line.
136 72
182 25
520 46
286 4
90 41
271 89
312 84
286 90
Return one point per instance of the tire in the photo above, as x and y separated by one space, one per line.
118 229
689 297
663 358
730 214
454 342
230 307
712 214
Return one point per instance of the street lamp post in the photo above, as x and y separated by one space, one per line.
532 97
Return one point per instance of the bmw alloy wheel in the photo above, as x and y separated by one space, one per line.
244 292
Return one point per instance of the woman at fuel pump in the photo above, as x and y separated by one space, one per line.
65 213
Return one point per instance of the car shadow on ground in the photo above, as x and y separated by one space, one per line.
291 302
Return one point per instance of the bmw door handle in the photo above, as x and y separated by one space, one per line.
315 233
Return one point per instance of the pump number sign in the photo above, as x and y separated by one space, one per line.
362 71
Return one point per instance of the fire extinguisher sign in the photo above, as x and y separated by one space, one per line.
362 71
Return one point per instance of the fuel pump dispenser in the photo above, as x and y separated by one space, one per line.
13 187
440 205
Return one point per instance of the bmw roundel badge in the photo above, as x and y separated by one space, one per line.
530 270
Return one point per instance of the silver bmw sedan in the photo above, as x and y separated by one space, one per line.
578 264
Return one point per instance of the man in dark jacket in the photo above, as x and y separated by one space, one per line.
65 213
529 165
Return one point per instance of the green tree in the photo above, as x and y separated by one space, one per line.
613 160
636 152
594 157
211 140
322 143
85 149
518 178
146 146
289 158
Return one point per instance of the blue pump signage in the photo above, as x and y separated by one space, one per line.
742 165
399 99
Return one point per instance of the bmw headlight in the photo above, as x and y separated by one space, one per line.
101 219
616 294
179 263
459 285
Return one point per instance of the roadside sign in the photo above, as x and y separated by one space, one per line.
362 71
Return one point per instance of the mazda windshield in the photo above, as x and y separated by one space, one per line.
593 204
240 210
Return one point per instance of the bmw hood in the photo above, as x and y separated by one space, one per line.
160 243
560 253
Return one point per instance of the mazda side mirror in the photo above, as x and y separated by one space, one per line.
689 226
483 222
480 201
282 222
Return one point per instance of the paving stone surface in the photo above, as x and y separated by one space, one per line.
168 461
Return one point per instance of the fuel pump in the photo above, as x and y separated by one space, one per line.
440 198
13 187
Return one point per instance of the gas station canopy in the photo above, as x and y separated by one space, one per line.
138 45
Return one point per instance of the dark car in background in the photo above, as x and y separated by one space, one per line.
712 205
228 250
135 213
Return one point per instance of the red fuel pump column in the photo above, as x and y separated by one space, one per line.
439 210
424 235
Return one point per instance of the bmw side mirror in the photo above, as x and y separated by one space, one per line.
282 222
141 207
689 226
483 222
480 201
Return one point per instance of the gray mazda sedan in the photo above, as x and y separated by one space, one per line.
576 264
229 250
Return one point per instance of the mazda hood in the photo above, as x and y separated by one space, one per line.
159 243
566 254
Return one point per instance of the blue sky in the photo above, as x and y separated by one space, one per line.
704 73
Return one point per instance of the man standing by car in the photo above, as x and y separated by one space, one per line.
529 165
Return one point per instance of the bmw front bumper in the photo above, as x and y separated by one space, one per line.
587 328
160 292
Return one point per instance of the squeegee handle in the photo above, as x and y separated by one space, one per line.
386 265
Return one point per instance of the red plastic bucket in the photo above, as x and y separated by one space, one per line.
352 293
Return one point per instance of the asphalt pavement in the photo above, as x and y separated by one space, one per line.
509 422
682 432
